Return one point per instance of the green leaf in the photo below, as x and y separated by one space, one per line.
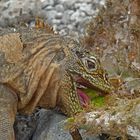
91 93
96 99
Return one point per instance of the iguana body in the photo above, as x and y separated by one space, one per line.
38 69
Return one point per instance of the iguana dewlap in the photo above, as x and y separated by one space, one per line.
38 69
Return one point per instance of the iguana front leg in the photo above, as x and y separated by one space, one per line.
8 108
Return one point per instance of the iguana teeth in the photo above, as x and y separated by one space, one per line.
81 86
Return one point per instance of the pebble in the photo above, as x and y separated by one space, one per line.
59 16
48 8
64 15
47 2
59 8
51 14
56 21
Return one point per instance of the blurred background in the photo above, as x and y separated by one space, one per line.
66 16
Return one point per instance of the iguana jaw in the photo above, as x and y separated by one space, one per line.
83 84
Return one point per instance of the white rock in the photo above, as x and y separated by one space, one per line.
59 15
51 14
56 21
49 7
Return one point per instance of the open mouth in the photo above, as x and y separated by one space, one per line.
82 91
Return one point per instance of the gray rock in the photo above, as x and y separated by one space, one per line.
51 126
66 16
57 12
75 16
69 4
78 17
59 8
51 14
48 3
24 127
10 10
56 21
64 31
45 125
87 8
58 15
48 8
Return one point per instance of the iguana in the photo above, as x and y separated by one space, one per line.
42 69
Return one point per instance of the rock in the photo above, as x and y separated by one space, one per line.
78 18
50 126
59 8
46 3
56 21
59 16
69 4
64 31
66 16
51 14
57 13
24 127
45 125
48 8
11 10
75 16
87 8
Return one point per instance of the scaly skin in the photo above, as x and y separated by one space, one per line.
39 69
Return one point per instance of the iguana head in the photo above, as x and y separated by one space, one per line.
86 69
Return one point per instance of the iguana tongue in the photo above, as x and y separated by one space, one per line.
84 99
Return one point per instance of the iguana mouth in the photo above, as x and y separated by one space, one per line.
84 98
82 85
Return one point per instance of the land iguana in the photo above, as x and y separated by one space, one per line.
43 69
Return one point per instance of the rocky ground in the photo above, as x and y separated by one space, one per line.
45 125
67 17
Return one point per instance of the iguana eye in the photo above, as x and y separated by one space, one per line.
90 64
